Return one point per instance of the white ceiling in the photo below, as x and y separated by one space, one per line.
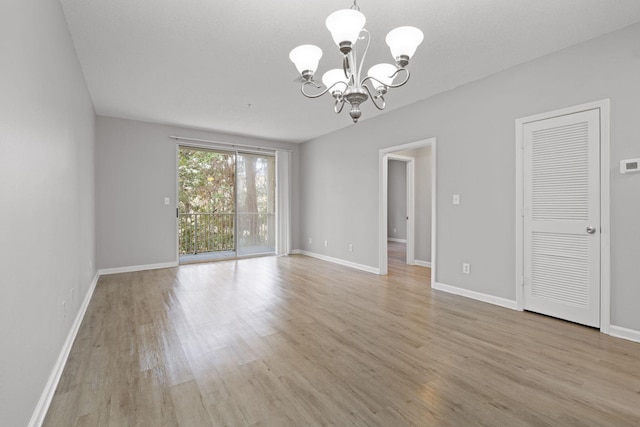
200 63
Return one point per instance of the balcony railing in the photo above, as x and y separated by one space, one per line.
214 232
205 232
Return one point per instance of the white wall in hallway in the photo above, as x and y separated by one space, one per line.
397 200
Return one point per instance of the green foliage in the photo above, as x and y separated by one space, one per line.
206 181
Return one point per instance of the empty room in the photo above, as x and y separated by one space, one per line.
341 212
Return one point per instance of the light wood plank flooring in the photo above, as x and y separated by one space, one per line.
301 342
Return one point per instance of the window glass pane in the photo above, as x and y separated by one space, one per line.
256 201
206 204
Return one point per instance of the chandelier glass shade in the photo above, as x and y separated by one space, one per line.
346 84
345 25
335 79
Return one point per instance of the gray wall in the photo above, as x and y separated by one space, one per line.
47 192
474 127
397 200
135 171
423 168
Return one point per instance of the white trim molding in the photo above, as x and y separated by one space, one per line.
339 261
624 333
52 384
502 302
422 263
132 268
393 239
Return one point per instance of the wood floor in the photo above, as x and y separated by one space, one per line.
295 341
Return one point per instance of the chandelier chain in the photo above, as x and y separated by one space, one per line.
354 6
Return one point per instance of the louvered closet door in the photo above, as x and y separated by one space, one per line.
562 217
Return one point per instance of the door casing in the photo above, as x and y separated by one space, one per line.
383 198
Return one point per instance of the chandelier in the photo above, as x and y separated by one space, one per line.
346 84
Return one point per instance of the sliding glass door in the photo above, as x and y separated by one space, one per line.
256 203
226 204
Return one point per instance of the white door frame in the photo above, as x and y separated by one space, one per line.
383 164
605 167
410 178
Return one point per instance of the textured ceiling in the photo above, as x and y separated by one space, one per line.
225 66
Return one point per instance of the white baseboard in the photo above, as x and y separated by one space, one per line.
132 268
502 302
422 263
393 239
627 334
357 266
47 395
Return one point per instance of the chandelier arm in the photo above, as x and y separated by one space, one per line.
371 78
366 49
374 97
312 83
339 101
402 83
389 86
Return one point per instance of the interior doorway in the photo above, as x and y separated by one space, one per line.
226 204
421 222
401 205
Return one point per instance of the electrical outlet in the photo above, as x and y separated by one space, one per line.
456 199
466 268
350 247
394 230
326 243
310 241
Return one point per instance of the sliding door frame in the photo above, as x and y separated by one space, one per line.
231 150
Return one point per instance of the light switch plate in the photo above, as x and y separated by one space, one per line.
456 199
167 200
